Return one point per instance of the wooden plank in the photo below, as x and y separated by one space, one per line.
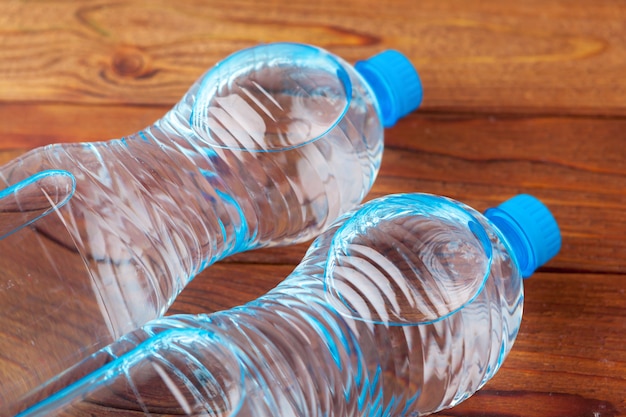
535 56
25 126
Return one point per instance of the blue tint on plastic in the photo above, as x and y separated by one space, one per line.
436 213
284 54
34 198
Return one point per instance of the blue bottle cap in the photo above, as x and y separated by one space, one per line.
530 228
395 83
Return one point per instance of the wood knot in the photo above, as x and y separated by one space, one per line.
128 62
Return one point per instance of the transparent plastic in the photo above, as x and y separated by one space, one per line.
402 308
97 238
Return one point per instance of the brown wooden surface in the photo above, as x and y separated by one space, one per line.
520 96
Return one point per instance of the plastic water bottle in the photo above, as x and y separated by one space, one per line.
402 308
96 239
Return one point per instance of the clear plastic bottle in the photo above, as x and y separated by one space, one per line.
96 239
403 308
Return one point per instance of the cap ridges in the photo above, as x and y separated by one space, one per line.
530 228
395 82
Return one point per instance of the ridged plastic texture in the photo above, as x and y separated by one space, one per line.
402 308
531 229
96 239
395 82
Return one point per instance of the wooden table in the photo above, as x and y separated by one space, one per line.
519 96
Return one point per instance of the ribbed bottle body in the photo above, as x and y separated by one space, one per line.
313 347
151 210
110 259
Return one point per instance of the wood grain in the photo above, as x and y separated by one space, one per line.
526 96
535 56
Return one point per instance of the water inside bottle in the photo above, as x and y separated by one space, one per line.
288 100
430 261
